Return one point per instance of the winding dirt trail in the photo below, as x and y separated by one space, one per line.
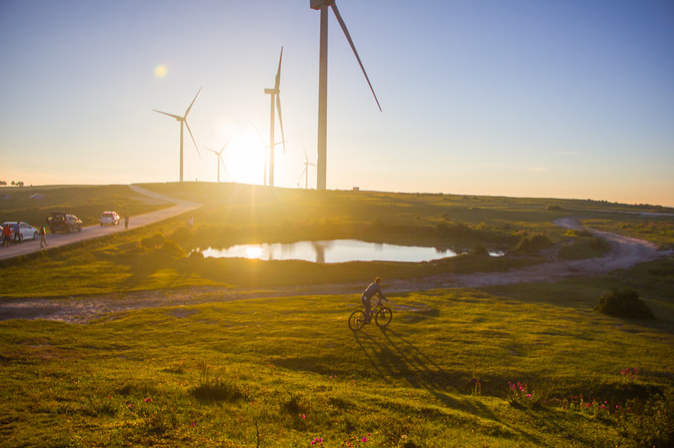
625 253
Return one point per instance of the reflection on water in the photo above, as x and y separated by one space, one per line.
332 251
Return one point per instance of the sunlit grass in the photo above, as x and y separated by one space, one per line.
206 375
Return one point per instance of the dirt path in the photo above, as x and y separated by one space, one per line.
625 253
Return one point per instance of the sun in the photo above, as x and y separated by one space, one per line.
246 159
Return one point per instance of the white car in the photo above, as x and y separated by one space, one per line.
109 219
28 232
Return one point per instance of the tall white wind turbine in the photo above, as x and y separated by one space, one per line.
219 155
275 106
183 123
323 5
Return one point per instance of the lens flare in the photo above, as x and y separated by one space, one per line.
160 71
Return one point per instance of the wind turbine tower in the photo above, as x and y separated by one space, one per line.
183 123
275 106
219 155
305 173
322 6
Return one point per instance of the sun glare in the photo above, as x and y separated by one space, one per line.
253 252
160 71
245 159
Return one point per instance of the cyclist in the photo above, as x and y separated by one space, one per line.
373 289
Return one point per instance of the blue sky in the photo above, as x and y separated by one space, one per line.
530 98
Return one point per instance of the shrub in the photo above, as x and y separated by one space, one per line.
152 242
171 249
533 244
480 250
623 303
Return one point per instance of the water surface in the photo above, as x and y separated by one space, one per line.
331 251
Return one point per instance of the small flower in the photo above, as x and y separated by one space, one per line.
148 400
364 439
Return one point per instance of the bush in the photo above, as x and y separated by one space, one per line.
171 249
533 244
623 303
153 242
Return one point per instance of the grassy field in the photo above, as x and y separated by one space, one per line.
510 366
288 372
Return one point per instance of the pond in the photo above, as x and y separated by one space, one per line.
333 251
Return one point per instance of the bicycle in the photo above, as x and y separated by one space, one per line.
382 316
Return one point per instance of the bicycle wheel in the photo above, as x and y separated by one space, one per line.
356 320
383 317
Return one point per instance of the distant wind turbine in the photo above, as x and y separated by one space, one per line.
220 161
267 148
183 121
275 105
322 5
305 173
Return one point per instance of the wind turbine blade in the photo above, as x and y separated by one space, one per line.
193 140
280 121
223 148
353 47
192 104
166 113
259 135
304 171
223 162
211 150
278 72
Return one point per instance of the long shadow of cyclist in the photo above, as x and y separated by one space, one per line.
398 358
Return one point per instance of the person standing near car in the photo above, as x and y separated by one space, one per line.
126 221
43 237
17 233
373 289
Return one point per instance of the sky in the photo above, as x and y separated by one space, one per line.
524 98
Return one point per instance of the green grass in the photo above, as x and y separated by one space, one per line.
207 375
286 371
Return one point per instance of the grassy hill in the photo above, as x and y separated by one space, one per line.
510 366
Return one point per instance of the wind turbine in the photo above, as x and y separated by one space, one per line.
275 95
322 5
305 173
183 121
220 161
267 148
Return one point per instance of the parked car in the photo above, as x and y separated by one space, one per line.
59 221
109 219
27 231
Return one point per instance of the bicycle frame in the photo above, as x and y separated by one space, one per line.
382 316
